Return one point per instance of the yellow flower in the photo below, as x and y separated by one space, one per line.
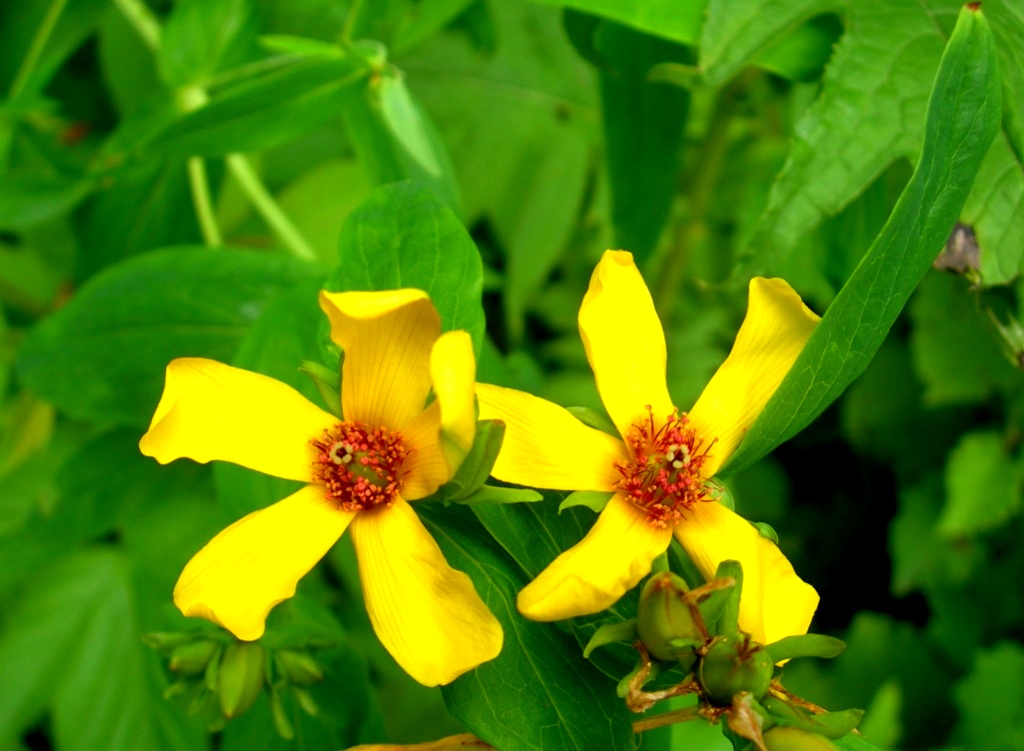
658 471
361 471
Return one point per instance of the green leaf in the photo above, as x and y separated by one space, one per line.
984 486
881 72
990 699
678 20
202 36
962 121
27 199
404 236
643 125
561 700
278 342
954 352
418 146
477 465
76 623
20 23
805 645
144 205
612 632
494 494
102 356
264 104
595 500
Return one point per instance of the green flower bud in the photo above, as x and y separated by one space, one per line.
735 663
298 667
240 678
666 615
282 723
192 658
792 739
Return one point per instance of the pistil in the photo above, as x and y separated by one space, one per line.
359 466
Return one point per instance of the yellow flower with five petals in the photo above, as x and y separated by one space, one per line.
658 470
362 471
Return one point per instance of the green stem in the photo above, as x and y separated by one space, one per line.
35 50
268 208
666 718
350 19
201 199
703 178
146 25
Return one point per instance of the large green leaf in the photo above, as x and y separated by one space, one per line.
963 118
102 356
539 693
73 643
871 113
402 235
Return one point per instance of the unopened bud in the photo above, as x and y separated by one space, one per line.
666 615
240 678
793 739
192 658
282 724
735 663
298 667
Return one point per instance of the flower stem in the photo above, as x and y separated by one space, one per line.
268 208
201 200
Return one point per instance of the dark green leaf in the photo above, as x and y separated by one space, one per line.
643 125
404 236
670 19
27 199
963 117
561 700
476 467
102 356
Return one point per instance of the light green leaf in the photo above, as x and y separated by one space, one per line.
201 37
404 236
990 699
594 500
984 486
494 494
962 121
103 355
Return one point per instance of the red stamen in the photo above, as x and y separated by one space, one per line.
359 466
664 477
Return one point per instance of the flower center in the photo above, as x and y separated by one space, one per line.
663 478
359 466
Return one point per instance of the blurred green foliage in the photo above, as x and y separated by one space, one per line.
180 178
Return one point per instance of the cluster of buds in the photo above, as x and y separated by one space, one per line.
696 633
219 677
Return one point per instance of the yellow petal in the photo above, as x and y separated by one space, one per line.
453 372
425 466
776 602
212 411
773 334
545 446
624 341
590 576
387 338
427 615
256 562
